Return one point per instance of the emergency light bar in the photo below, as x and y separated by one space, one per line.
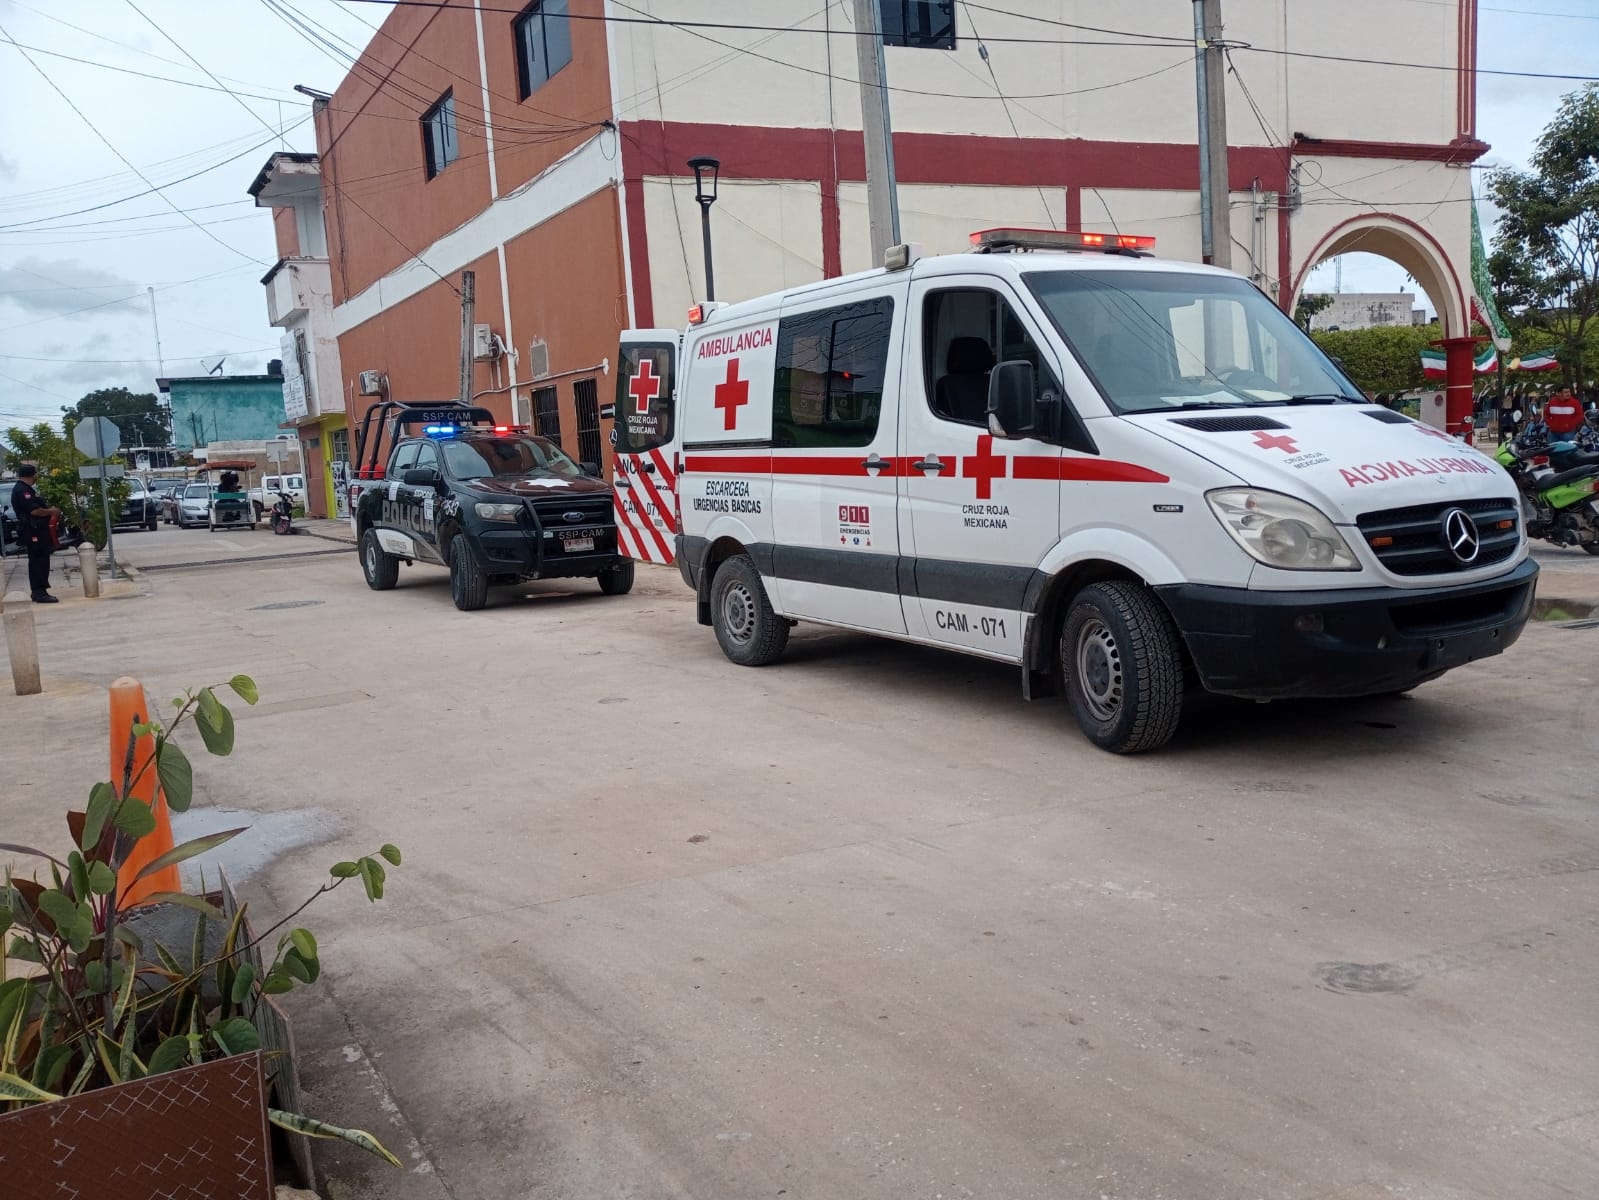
989 241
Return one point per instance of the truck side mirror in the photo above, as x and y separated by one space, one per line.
422 477
1011 399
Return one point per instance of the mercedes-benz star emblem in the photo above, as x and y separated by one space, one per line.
1460 535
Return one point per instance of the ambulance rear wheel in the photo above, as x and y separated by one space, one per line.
382 569
747 629
618 581
1122 664
469 583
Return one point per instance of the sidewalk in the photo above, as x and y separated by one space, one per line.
329 529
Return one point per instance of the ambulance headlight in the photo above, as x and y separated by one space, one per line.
1281 531
497 512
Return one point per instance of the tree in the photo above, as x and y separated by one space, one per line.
1311 303
58 461
1384 358
1545 261
143 420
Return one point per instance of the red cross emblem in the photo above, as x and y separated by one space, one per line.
1272 441
731 395
645 386
985 466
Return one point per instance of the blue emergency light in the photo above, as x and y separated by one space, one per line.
439 430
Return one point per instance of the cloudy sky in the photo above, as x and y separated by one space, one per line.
84 232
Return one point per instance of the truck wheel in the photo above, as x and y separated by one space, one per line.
382 569
1591 548
747 629
150 524
1122 666
618 581
469 583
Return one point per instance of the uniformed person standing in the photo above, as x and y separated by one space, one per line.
33 530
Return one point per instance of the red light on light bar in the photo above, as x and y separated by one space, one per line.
696 314
502 429
1010 238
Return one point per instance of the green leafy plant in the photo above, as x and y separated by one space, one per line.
100 1006
58 461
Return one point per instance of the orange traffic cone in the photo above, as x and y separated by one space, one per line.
128 708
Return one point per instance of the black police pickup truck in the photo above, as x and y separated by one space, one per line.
493 504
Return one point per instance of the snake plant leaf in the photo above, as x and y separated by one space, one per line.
311 1127
14 1087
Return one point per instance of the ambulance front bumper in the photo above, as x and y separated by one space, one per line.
1352 642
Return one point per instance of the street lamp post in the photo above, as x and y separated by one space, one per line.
706 170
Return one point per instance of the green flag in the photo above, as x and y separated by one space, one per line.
1482 283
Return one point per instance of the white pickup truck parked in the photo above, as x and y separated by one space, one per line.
265 496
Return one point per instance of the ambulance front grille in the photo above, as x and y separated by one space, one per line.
1410 541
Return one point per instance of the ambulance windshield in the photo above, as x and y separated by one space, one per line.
506 457
1155 341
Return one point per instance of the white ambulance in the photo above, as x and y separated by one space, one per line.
1127 476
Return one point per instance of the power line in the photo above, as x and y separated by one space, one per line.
982 53
1140 40
112 362
104 66
125 160
153 189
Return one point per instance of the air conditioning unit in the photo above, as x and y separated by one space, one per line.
373 383
538 358
484 346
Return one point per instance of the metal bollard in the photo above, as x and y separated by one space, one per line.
89 568
22 645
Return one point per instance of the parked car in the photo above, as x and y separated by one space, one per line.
161 491
265 495
193 505
140 510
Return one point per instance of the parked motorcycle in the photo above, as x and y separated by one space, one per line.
283 514
1559 484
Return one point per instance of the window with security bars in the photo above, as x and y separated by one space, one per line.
922 24
587 395
547 413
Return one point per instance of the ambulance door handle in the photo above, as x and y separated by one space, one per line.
875 463
648 466
930 463
621 483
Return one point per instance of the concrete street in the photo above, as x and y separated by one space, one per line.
865 924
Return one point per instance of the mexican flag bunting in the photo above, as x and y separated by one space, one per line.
1482 303
1543 360
1433 362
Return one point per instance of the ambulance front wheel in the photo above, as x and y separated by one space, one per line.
1122 665
747 629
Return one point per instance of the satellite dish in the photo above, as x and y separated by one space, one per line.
216 370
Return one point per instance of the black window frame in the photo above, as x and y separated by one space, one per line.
432 450
632 435
1005 326
538 13
442 113
832 432
586 416
547 413
392 471
925 35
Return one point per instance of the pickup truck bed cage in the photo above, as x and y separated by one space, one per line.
396 417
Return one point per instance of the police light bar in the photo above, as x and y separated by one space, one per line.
987 241
439 430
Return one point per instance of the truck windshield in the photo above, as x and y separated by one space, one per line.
1156 341
507 457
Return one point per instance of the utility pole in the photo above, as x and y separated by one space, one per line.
882 193
161 365
1215 200
468 296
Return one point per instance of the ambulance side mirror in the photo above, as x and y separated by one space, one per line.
1011 404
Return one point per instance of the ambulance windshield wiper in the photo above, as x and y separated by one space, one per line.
1322 398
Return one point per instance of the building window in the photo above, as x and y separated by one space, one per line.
547 413
924 24
830 369
543 43
586 394
438 135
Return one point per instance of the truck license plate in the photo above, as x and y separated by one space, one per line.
574 545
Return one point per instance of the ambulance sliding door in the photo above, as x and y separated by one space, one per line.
834 434
643 438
